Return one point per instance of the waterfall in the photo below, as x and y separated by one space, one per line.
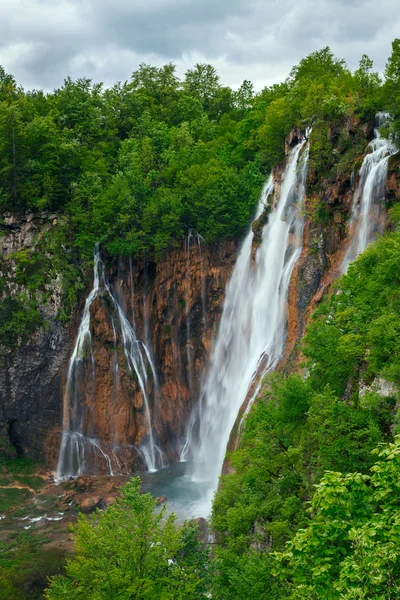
252 330
77 447
192 241
115 364
188 241
200 240
366 217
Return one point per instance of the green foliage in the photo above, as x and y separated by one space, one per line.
391 88
130 551
137 165
25 566
350 549
354 334
13 496
19 317
18 472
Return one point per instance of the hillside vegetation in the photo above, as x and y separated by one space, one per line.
137 165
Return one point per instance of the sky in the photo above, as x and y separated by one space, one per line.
43 41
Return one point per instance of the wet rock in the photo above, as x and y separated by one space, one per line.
69 497
201 524
161 500
83 484
43 522
90 504
110 500
112 485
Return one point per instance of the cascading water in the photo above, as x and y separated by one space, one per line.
115 364
200 241
366 219
193 241
188 241
252 331
77 447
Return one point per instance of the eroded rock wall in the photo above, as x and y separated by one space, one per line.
174 303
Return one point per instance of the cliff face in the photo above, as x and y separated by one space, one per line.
327 229
31 374
175 305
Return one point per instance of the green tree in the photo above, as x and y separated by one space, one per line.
131 551
351 549
202 81
391 88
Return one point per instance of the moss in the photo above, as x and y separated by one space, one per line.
33 269
12 497
335 151
36 272
19 317
351 158
25 566
321 151
317 211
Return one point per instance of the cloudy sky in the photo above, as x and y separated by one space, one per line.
42 41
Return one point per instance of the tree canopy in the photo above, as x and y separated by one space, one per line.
131 551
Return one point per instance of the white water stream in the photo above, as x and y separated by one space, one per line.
366 219
253 326
77 447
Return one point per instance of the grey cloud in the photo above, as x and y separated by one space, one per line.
42 41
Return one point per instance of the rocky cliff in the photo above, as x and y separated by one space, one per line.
175 305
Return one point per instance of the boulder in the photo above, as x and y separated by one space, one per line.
83 483
90 504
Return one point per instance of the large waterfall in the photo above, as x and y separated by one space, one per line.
253 326
80 449
366 219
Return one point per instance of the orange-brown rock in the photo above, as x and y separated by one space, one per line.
109 500
90 504
175 305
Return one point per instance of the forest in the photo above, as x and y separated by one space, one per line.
309 508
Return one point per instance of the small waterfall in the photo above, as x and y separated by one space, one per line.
115 364
132 294
188 241
78 449
253 325
192 241
200 241
368 199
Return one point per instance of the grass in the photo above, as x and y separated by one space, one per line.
22 466
21 473
13 497
25 567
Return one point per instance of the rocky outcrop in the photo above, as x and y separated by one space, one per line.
31 374
19 232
